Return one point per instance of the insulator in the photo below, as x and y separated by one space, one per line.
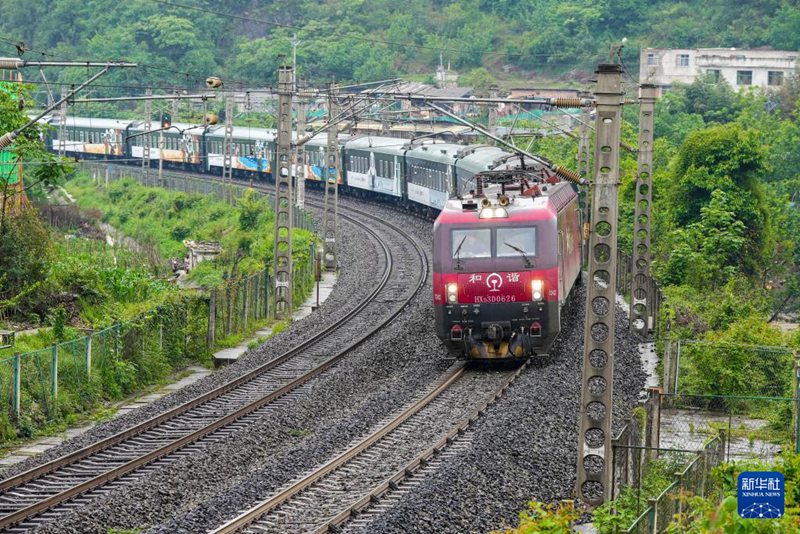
7 139
213 82
211 118
571 102
568 175
11 63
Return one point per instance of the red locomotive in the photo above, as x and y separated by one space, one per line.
505 260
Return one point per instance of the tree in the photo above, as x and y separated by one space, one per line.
24 242
28 146
717 218
479 79
712 99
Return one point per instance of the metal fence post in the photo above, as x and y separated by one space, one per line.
653 504
212 317
88 352
796 401
704 454
117 341
17 381
54 373
679 476
228 311
677 367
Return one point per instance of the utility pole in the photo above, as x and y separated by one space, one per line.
491 119
62 123
597 380
283 196
642 307
295 42
331 188
300 156
583 172
175 107
148 115
227 152
160 157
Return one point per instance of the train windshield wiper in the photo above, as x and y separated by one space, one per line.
457 253
522 253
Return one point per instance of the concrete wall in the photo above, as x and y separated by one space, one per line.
666 66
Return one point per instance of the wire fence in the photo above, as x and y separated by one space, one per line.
655 513
693 367
756 427
666 450
72 376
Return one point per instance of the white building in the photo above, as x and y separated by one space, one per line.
740 68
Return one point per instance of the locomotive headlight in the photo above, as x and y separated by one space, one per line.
493 213
536 289
452 292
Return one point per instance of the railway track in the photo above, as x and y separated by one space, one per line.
376 464
43 493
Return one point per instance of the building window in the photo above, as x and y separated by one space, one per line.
714 74
774 77
682 60
744 77
652 60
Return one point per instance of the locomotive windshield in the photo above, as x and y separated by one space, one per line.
512 241
472 243
480 243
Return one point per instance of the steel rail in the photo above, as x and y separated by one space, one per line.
413 466
262 508
32 474
266 506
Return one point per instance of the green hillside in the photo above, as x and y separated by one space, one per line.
180 43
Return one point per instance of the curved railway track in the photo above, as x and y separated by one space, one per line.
36 496
326 498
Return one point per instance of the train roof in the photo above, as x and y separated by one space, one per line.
439 152
243 132
477 158
547 205
321 139
380 145
87 122
186 127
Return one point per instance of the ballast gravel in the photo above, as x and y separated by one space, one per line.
524 448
